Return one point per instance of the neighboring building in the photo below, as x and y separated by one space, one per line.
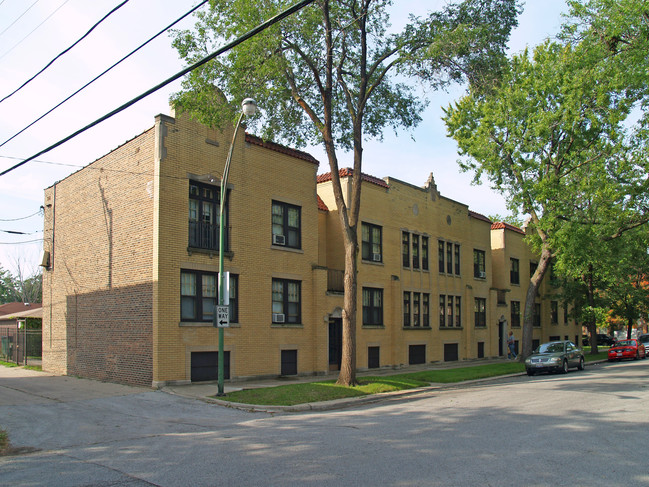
133 253
20 332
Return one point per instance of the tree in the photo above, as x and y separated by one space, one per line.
7 288
549 137
327 76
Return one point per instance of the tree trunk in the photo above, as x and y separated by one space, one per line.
347 375
532 290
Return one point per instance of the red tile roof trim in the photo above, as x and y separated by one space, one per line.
321 204
348 172
478 216
253 139
506 226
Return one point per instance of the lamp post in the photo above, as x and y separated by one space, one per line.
248 108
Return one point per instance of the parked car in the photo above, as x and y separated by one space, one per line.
632 348
602 339
644 339
555 357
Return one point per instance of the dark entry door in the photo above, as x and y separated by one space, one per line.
335 343
501 337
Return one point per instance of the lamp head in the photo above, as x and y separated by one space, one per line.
248 107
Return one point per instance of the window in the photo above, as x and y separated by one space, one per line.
442 311
479 268
372 306
449 257
516 313
204 206
533 266
565 314
450 311
286 225
424 253
419 313
440 252
405 248
554 312
371 242
425 305
287 301
406 308
480 309
514 271
416 309
415 251
199 296
537 314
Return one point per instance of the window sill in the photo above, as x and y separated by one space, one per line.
287 249
451 327
373 327
372 262
211 252
286 325
410 327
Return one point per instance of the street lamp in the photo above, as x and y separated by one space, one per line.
248 108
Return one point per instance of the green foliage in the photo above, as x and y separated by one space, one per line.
13 288
293 66
7 287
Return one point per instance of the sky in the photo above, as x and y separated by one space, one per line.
32 33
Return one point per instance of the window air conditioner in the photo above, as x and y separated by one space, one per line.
376 257
278 317
279 240
483 274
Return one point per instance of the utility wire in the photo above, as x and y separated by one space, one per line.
282 15
106 71
66 50
21 218
34 29
19 17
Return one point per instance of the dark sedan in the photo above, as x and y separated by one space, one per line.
555 357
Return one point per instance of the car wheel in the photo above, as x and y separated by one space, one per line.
581 363
530 372
564 367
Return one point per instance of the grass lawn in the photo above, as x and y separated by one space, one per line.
292 394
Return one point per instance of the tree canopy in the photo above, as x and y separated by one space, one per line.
556 135
328 75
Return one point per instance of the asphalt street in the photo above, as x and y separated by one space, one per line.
581 429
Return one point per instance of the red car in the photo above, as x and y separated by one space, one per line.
631 348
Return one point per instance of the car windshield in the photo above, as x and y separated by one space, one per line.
644 339
551 348
626 343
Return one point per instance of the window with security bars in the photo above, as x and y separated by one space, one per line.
480 310
204 207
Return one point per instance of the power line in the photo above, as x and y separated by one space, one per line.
106 71
282 15
66 50
21 218
34 29
19 17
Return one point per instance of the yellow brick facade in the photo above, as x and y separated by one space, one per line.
121 254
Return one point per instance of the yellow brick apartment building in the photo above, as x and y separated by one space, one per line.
132 239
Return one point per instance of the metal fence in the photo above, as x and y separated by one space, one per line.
20 345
